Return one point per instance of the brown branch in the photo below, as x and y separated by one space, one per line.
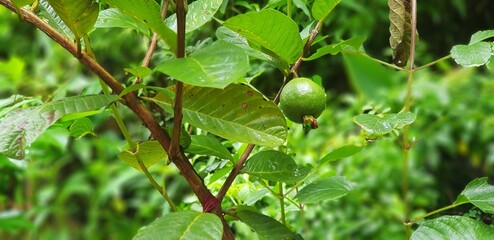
130 100
307 45
177 107
154 40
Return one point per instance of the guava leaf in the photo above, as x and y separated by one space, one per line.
325 189
148 12
270 31
22 3
53 19
481 36
113 18
216 66
79 15
453 227
266 227
340 153
275 166
474 55
22 127
188 225
480 193
238 113
353 44
322 8
373 124
78 104
149 153
401 30
198 13
208 145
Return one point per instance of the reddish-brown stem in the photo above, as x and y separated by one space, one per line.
130 100
307 45
177 107
235 171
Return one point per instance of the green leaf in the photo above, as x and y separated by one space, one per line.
352 44
400 30
208 145
270 31
215 66
479 193
322 8
326 189
147 12
238 113
22 127
275 166
474 55
340 153
148 153
373 125
53 19
79 104
113 18
266 227
188 225
481 36
401 119
453 227
79 15
198 13
81 127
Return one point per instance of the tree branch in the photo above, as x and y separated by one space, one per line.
130 100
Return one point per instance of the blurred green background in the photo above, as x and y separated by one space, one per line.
77 189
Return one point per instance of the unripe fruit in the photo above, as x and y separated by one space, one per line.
302 101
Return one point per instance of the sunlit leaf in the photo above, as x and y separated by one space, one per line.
275 166
149 153
322 8
270 31
474 55
480 193
325 189
208 145
373 124
198 13
148 12
340 153
216 66
481 36
237 113
113 18
183 225
453 227
266 227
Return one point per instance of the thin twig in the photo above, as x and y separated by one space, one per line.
307 45
154 40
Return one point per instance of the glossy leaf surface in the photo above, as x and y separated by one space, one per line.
480 193
453 227
183 225
237 113
217 66
325 189
198 13
322 8
275 166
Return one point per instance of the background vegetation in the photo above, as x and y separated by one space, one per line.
76 188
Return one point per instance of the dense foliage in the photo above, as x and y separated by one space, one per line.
98 157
